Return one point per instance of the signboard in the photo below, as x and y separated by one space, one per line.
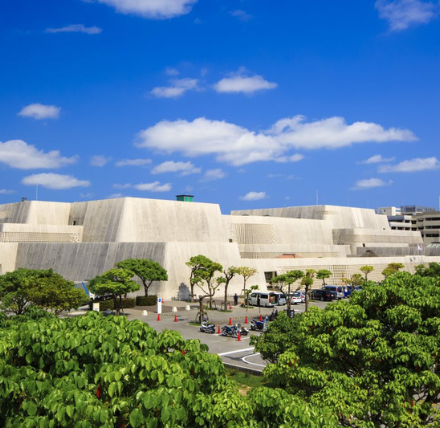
159 305
420 247
96 306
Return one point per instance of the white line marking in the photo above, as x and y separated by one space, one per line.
254 364
235 352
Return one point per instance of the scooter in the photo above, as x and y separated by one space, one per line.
207 328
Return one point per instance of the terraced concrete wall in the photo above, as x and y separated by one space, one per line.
8 255
35 212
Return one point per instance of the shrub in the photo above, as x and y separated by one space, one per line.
146 300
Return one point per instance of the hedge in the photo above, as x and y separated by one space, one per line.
146 300
108 304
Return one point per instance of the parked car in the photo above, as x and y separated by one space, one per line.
297 297
281 298
322 295
338 289
266 299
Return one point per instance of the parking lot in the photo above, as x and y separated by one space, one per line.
233 352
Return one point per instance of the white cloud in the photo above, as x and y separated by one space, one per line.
245 84
18 154
403 13
40 111
170 71
153 187
6 191
294 158
76 28
412 165
236 145
376 159
156 9
241 15
115 196
213 174
122 186
54 181
370 183
133 162
253 196
178 88
99 160
185 168
86 195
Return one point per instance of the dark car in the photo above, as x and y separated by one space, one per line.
322 295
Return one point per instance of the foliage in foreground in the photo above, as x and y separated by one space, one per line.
374 360
96 371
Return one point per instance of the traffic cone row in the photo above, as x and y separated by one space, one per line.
219 331
239 337
246 320
230 321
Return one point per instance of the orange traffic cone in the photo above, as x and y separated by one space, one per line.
239 336
230 321
246 320
261 317
158 317
175 318
219 331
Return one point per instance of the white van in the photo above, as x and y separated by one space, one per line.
281 298
260 298
337 288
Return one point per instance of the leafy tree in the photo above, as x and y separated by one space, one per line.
432 270
204 269
366 270
44 288
287 279
114 284
374 359
95 371
246 272
392 268
354 280
249 291
307 282
147 271
228 273
323 274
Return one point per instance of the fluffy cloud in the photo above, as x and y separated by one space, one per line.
236 145
76 28
18 154
170 71
6 191
54 181
245 84
133 162
156 9
99 160
403 13
40 111
370 183
412 165
122 186
213 174
253 196
178 88
153 187
185 168
376 159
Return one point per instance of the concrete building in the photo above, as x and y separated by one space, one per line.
84 239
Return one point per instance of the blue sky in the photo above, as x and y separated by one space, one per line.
245 103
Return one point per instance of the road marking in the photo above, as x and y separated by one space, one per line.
254 364
235 352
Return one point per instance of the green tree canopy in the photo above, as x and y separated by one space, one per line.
287 279
147 271
307 282
44 288
228 274
374 359
323 274
114 284
432 270
366 270
392 268
246 272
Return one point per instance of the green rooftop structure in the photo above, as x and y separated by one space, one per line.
185 198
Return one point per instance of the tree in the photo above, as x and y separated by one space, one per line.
147 271
228 273
204 269
44 288
114 284
366 270
323 274
432 270
307 282
354 280
287 279
392 268
246 272
374 359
